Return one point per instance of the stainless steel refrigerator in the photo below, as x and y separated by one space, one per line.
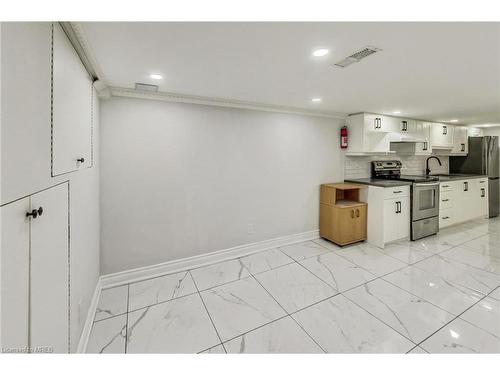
481 159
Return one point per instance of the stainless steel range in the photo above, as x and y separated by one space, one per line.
424 197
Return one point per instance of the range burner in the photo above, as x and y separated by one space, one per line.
391 170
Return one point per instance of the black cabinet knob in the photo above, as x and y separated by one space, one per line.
81 160
35 213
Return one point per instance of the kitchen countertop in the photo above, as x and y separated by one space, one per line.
392 183
458 176
379 182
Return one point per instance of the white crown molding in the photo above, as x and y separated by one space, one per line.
87 327
179 265
83 47
218 102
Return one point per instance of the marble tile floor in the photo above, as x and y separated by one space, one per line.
436 295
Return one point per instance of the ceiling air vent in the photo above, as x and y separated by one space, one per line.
146 87
357 56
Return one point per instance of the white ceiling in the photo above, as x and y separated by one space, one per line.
433 71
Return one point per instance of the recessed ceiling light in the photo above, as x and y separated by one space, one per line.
396 112
454 120
316 100
320 52
156 76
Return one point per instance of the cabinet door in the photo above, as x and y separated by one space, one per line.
15 275
381 124
360 223
483 197
467 200
49 321
460 144
441 135
71 107
25 112
407 126
391 217
423 132
404 218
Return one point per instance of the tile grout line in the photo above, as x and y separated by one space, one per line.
289 315
208 313
330 297
126 324
451 321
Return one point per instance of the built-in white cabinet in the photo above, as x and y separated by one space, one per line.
463 200
460 143
379 134
475 132
441 136
35 271
369 133
71 107
46 108
388 214
25 112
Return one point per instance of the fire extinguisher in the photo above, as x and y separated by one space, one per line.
343 137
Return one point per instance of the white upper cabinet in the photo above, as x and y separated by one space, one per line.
71 107
380 124
441 136
424 131
460 141
369 133
407 126
474 132
25 113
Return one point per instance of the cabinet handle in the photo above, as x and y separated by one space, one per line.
445 200
397 192
357 212
399 203
463 146
483 192
446 186
466 186
425 146
378 122
445 217
81 160
352 214
35 213
445 130
404 126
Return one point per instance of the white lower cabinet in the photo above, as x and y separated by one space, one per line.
463 200
35 272
388 214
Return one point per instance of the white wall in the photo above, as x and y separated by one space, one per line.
179 180
25 155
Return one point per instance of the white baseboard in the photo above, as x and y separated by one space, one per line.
147 272
84 337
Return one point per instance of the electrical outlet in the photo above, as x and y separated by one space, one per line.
250 229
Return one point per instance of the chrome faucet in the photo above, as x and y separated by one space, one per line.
427 170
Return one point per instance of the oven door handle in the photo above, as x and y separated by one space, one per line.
427 184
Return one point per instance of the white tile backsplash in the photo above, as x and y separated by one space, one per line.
359 166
